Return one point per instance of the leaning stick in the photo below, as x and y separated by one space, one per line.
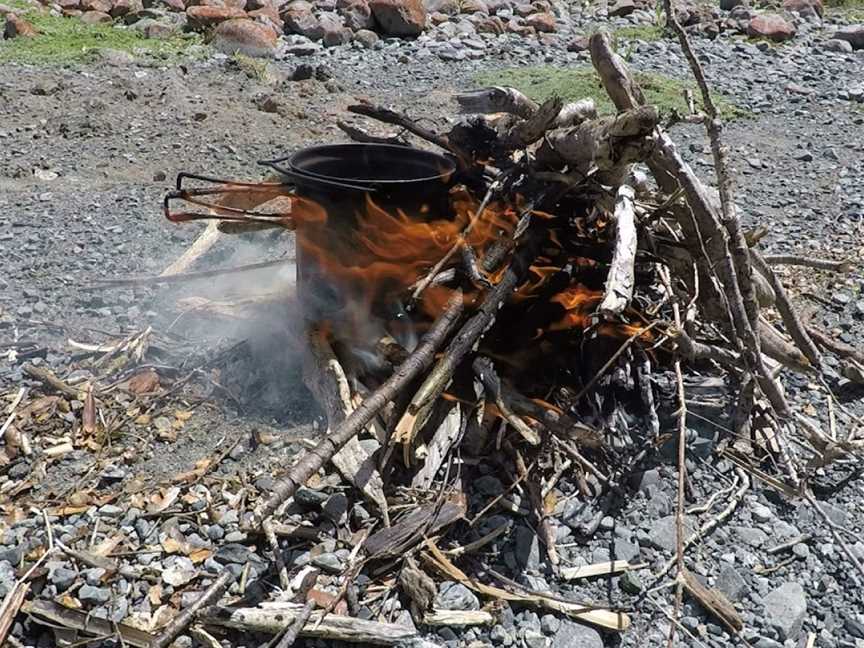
793 323
185 618
619 283
420 407
206 240
416 363
837 347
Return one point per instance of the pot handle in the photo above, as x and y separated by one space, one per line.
289 171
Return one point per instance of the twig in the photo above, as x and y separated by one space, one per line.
184 619
419 360
278 558
808 262
186 276
394 118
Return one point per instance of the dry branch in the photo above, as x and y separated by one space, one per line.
458 618
621 278
808 262
357 420
275 617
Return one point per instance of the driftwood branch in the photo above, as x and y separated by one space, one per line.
273 618
324 451
621 278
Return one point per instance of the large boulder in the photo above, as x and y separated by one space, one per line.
17 27
399 17
542 22
245 36
356 13
771 26
202 17
804 8
852 34
122 8
300 19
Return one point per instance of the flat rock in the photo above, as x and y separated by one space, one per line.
245 36
771 26
399 17
662 534
852 34
575 635
731 583
201 17
97 595
785 609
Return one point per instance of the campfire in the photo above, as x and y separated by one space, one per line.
527 300
523 296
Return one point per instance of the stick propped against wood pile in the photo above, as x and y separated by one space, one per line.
619 284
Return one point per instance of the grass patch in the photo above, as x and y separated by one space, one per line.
648 33
68 40
540 83
852 10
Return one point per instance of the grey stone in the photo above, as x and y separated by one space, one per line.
625 550
662 533
63 577
90 594
630 582
366 38
533 639
235 536
785 609
310 498
731 583
853 34
801 550
527 549
111 510
761 513
12 555
336 508
215 532
837 46
549 624
574 635
750 536
329 562
455 596
8 578
501 635
93 576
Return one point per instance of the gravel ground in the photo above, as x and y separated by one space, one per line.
88 152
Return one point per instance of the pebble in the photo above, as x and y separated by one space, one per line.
784 610
455 596
329 562
90 594
549 624
62 577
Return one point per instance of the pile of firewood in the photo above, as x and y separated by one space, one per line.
567 278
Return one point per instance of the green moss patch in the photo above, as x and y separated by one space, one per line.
68 40
571 84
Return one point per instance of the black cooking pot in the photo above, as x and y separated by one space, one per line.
340 177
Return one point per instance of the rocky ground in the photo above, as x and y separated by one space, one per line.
88 151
